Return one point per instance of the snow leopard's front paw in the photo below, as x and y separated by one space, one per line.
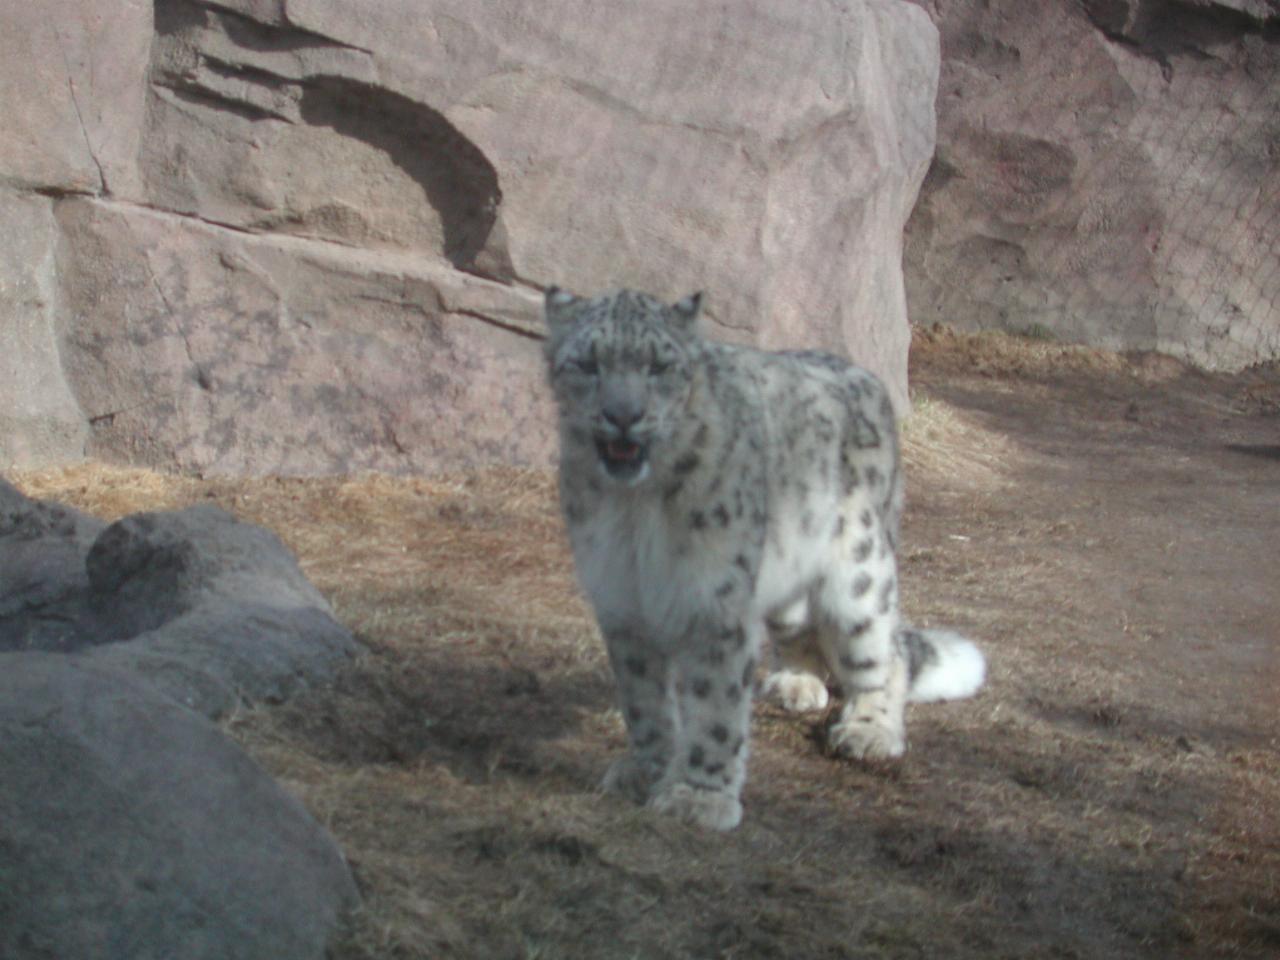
631 777
713 809
867 738
796 691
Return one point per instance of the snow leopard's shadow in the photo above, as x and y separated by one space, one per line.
481 716
1267 451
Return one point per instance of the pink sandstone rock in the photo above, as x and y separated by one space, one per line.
307 236
1106 173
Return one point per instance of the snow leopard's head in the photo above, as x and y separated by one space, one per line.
621 366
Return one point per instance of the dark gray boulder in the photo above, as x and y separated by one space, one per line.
212 609
131 828
149 568
206 608
43 582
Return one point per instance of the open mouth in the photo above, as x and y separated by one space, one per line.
623 459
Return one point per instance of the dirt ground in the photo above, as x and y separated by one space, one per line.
1107 527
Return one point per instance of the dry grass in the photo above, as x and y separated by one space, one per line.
945 445
996 354
1067 812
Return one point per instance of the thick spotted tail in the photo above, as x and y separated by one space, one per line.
942 665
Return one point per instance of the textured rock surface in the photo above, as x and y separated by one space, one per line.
206 609
131 827
74 75
308 236
1108 172
234 353
211 610
44 587
40 421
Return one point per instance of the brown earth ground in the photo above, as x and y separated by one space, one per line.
1108 527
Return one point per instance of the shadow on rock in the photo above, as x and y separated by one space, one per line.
207 609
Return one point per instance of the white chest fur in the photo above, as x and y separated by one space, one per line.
638 570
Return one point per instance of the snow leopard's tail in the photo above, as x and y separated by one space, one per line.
942 665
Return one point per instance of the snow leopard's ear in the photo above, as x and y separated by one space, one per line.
684 313
559 310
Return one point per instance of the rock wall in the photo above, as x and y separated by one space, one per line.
1107 172
308 236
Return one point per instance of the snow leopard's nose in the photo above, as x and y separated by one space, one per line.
622 406
622 415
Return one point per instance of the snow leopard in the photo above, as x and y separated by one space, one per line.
722 500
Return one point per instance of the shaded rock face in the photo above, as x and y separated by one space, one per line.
309 236
44 586
209 610
130 825
1106 172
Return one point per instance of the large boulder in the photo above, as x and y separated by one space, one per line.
132 827
1106 173
206 609
309 236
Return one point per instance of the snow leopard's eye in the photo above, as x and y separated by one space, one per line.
659 367
587 365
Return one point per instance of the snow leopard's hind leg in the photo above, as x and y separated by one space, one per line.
856 615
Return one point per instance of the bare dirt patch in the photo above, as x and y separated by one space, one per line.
1109 529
